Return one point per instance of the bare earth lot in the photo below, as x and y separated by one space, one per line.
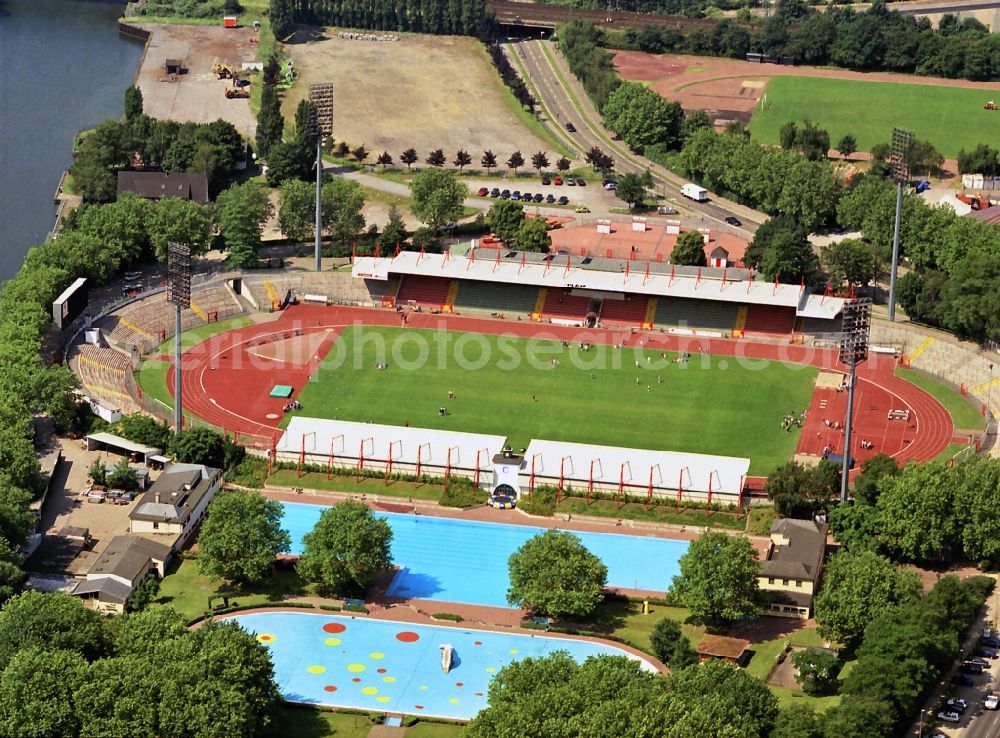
198 96
425 92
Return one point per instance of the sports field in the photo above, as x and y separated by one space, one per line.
951 118
510 386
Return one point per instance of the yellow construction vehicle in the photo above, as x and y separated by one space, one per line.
224 71
235 91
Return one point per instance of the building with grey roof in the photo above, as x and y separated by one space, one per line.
176 502
121 569
791 570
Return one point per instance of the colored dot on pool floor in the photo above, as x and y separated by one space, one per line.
356 667
407 636
329 688
356 680
490 669
316 669
383 698
477 643
332 641
423 687
382 670
453 700
419 707
376 656
334 627
388 680
459 684
513 651
479 694
369 690
265 637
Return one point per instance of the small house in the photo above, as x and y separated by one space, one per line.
176 502
733 650
121 569
790 572
157 185
718 258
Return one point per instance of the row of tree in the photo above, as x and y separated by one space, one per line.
445 17
876 39
581 42
984 159
510 77
67 671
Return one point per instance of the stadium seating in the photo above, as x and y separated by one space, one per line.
682 312
428 292
630 312
495 297
562 305
215 301
104 374
769 320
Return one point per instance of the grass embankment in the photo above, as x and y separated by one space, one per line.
963 413
510 387
951 118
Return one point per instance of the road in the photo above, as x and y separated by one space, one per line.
540 60
944 7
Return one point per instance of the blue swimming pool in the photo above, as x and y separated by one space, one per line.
466 561
385 666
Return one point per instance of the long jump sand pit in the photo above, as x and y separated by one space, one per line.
425 92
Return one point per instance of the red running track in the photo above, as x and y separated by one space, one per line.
227 380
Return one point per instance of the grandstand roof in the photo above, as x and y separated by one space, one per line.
569 272
346 438
670 468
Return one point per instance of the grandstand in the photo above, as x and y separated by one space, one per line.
105 375
577 290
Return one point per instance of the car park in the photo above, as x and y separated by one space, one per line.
563 200
949 717
733 220
992 702
483 191
538 197
495 192
581 182
557 180
505 195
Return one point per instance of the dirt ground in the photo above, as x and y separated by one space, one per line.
197 95
728 89
425 92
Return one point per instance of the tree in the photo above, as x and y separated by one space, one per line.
788 135
133 103
488 161
855 527
270 124
631 189
52 621
554 574
857 588
977 495
515 161
504 219
817 671
918 515
409 158
304 122
394 231
436 158
847 145
240 212
718 578
796 721
360 153
984 160
539 160
533 235
289 160
36 693
176 220
600 161
563 164
123 477
789 258
717 698
860 718
437 197
199 445
384 160
347 549
139 633
241 536
297 210
342 206
119 696
282 19
670 645
850 260
643 118
799 492
689 250
144 594
462 159
866 489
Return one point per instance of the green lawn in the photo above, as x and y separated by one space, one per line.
949 452
951 118
194 336
963 413
306 722
434 730
152 381
509 387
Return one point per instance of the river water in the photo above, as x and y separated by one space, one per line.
63 69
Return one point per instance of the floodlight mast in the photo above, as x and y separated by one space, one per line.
179 274
899 163
321 126
856 324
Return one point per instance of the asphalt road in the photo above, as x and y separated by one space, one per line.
943 7
556 99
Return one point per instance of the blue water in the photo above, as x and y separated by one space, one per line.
363 663
465 561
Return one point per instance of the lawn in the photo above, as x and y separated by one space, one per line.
951 118
152 380
949 452
305 722
963 413
510 387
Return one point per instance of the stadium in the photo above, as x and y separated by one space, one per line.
634 378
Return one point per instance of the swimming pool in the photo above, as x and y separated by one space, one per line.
370 664
466 561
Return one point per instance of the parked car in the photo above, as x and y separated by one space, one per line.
992 702
610 186
570 127
495 192
570 182
981 661
581 182
964 680
733 220
970 667
538 197
546 179
550 199
582 209
515 195
991 642
563 200
483 191
990 653
949 717
505 195
525 197
956 705
557 180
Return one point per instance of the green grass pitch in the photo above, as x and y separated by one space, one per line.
951 118
709 405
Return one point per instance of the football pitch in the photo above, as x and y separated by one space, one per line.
951 118
531 388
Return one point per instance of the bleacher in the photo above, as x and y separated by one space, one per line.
496 297
142 323
681 312
215 303
427 292
104 374
769 320
563 305
630 312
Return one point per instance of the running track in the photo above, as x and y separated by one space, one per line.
227 384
